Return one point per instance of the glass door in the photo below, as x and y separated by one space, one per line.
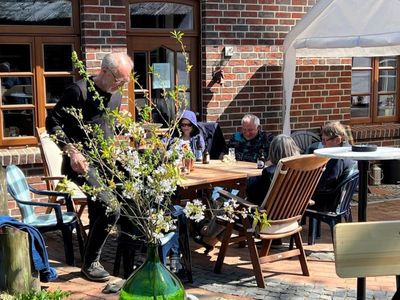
160 66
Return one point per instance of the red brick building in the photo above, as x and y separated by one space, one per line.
243 38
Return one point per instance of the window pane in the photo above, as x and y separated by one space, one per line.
183 76
389 61
16 90
361 62
57 58
161 15
387 80
55 87
18 123
386 105
162 60
15 58
186 103
360 82
140 68
360 106
36 12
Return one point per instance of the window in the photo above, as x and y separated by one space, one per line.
34 12
374 90
33 74
35 63
34 16
150 44
161 15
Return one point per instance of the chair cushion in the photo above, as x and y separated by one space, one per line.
281 228
45 220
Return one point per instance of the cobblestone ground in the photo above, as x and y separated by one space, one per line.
276 289
283 279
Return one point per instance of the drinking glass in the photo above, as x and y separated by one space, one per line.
232 153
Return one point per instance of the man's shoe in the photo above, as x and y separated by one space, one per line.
95 272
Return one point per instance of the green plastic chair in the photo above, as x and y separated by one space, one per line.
66 222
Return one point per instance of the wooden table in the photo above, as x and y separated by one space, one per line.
218 173
363 158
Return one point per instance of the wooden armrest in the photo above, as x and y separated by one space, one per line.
240 200
52 178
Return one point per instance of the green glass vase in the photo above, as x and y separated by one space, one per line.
152 280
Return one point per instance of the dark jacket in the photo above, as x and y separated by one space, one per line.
334 170
77 96
249 150
258 186
58 120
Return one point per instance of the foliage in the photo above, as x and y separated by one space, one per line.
187 152
138 168
38 295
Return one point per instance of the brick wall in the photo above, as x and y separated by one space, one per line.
321 93
253 75
381 135
103 28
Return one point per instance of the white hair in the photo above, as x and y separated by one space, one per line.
251 118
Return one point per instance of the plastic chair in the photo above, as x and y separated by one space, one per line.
127 247
339 199
19 189
304 138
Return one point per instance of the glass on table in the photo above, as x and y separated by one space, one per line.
232 153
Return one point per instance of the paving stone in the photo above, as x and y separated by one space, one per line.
234 282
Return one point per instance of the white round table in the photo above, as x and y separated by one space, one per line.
363 158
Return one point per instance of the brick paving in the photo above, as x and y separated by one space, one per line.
283 279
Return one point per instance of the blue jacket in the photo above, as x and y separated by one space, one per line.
38 248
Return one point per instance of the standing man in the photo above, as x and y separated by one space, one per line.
251 141
115 71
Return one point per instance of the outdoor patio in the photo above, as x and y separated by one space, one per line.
283 278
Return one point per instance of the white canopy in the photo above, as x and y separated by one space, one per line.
340 28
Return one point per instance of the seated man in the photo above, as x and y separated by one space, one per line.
248 144
251 141
333 135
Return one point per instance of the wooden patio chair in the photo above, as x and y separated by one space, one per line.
52 162
292 186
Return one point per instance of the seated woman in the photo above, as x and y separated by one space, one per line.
257 188
333 135
281 146
191 133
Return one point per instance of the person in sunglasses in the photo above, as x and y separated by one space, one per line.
190 132
333 135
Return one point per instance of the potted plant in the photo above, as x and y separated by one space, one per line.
140 170
188 158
